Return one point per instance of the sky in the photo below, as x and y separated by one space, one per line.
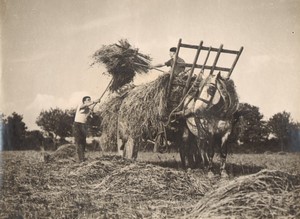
46 47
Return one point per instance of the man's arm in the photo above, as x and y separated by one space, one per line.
88 104
167 63
157 66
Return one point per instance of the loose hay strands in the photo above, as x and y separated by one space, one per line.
122 62
106 187
63 152
33 189
145 104
266 194
142 106
113 187
138 182
109 111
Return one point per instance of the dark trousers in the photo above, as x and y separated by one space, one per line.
80 133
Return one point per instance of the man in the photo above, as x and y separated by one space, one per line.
180 65
80 130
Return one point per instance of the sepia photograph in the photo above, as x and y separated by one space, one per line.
149 109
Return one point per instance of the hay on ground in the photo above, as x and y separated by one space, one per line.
66 151
113 187
163 189
154 181
266 194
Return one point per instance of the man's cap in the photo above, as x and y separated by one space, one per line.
173 49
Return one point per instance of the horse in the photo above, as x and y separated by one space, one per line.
207 120
210 116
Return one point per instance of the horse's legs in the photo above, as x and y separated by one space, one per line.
121 142
210 152
182 156
223 155
193 153
197 154
183 144
203 145
136 145
201 142
130 148
122 138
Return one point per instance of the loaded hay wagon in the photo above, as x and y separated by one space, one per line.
156 106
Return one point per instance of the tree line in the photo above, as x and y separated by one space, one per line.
278 133
55 124
250 134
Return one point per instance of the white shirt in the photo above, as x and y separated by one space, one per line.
82 114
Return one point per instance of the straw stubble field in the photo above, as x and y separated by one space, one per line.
107 186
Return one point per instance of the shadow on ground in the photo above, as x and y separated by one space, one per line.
239 170
234 170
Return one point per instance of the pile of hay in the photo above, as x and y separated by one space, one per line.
162 190
145 106
32 189
153 181
122 62
142 106
97 169
104 187
266 194
109 111
66 151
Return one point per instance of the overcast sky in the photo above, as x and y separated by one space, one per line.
47 47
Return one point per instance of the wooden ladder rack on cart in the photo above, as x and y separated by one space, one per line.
203 67
193 66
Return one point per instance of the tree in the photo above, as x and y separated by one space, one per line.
34 140
254 128
14 132
56 123
294 138
2 130
281 126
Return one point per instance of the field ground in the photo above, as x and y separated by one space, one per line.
155 186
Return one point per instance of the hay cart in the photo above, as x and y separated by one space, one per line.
210 53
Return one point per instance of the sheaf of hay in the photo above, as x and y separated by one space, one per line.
122 62
266 194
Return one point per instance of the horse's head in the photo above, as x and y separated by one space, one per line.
215 96
205 96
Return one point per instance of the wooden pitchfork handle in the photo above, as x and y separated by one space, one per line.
148 67
102 94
